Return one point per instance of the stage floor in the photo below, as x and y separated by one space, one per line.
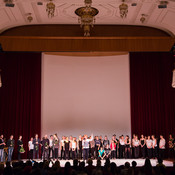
140 162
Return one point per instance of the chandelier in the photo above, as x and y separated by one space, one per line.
50 8
123 9
86 16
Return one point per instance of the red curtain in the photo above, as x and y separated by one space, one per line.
20 96
152 97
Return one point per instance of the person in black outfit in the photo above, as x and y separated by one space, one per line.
80 147
20 144
36 142
66 148
127 147
11 145
143 146
97 146
45 144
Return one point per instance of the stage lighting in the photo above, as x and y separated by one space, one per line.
134 4
39 3
9 3
163 4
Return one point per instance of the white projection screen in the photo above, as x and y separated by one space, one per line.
85 94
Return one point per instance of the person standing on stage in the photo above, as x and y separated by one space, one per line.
106 142
116 143
56 144
66 148
85 145
154 146
143 146
97 146
36 143
113 149
132 145
11 145
122 146
149 145
31 147
70 149
92 148
74 148
62 148
162 143
45 144
2 144
171 146
79 147
20 145
101 141
127 147
136 144
51 149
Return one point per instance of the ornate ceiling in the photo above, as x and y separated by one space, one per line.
109 13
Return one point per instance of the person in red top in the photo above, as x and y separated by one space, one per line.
113 149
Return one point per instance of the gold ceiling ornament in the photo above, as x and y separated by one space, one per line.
29 17
143 18
50 8
86 16
123 9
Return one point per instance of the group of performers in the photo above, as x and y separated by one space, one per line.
93 147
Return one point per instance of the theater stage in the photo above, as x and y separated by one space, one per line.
140 162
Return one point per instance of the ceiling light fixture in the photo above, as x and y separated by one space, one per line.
86 16
123 9
50 8
163 4
143 18
9 3
29 17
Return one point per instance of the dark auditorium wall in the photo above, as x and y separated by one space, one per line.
20 95
152 96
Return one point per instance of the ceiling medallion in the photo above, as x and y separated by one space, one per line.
50 8
123 9
86 16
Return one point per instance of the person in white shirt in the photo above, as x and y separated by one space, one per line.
62 148
31 147
74 147
136 144
154 146
162 143
149 144
51 149
121 146
85 145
